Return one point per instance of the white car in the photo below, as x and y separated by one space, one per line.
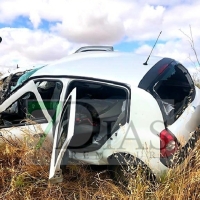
104 107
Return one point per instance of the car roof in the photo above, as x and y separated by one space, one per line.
120 67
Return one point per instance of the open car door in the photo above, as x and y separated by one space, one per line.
63 134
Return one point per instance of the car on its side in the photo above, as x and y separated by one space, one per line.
104 107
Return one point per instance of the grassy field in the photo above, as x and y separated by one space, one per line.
24 175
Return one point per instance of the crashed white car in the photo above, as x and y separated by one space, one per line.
105 108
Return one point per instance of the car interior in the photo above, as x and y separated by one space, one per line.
27 108
50 92
24 110
173 92
100 110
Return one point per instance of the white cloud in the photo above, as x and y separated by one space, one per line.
102 21
177 49
93 22
168 2
97 22
35 19
27 47
145 24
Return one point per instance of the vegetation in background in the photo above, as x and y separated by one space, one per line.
196 75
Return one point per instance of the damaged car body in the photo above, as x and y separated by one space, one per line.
103 107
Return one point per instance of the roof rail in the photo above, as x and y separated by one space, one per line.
95 48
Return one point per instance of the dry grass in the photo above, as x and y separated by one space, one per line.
24 175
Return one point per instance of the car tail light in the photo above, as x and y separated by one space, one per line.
168 144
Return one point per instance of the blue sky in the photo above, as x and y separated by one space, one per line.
37 32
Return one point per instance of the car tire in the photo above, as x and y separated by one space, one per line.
129 177
121 174
127 170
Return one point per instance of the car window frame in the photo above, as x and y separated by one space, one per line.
28 87
122 86
51 80
155 79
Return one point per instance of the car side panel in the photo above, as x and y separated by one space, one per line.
28 134
140 137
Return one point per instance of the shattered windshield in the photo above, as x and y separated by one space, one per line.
24 77
13 81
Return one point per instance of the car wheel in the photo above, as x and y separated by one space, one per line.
130 176
122 174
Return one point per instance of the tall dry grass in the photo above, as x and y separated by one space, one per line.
24 175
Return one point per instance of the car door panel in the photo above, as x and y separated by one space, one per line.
63 134
30 134
18 129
